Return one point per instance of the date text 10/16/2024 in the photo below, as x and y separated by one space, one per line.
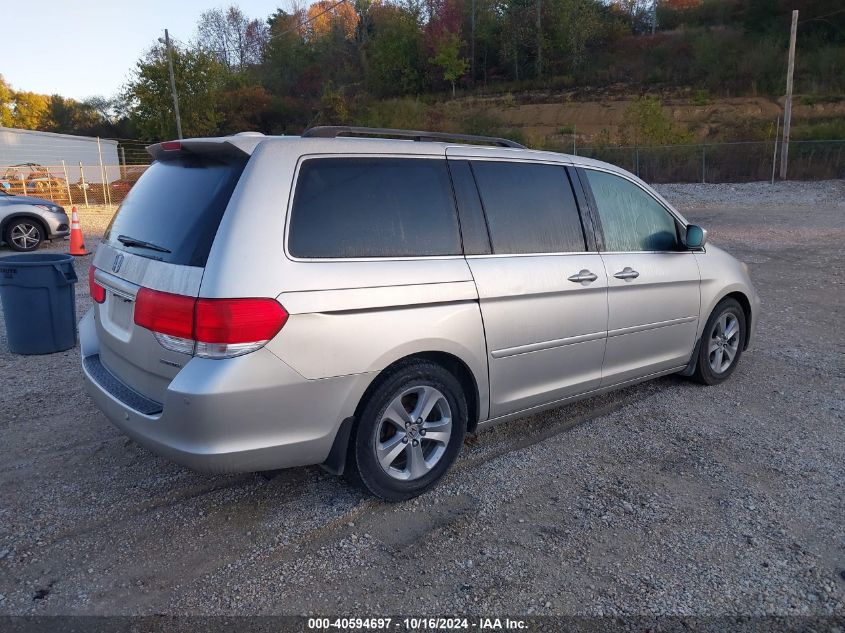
417 624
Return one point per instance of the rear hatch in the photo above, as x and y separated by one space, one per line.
153 255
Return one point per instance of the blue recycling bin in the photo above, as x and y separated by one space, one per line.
38 294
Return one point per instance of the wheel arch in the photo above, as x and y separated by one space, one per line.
4 224
336 460
745 303
742 299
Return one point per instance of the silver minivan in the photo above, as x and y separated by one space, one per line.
363 302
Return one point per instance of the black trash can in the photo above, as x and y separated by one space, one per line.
39 302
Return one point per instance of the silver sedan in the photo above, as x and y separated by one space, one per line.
25 221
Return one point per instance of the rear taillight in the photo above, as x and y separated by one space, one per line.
98 293
212 328
165 313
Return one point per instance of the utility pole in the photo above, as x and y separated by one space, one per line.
787 109
166 42
539 37
472 43
653 16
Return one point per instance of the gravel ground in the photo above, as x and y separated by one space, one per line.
665 498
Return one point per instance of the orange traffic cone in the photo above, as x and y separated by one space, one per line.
77 242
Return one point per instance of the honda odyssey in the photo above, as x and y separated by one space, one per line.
362 302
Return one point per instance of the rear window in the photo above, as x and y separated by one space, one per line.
530 208
176 205
373 207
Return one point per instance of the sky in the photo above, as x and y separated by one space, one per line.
82 49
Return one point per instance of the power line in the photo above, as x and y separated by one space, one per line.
309 20
819 17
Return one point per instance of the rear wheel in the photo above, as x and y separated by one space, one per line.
410 431
721 343
24 235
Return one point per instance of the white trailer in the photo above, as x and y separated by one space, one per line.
50 149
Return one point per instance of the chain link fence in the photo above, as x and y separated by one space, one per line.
82 185
70 170
95 183
725 162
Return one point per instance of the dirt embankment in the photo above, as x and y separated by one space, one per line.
718 118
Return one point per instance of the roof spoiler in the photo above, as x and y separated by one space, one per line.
167 150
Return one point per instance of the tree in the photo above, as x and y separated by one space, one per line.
447 56
394 52
31 111
200 80
645 123
6 103
235 40
577 23
326 16
244 108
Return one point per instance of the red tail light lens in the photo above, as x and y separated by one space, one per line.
98 293
165 313
171 146
220 327
238 320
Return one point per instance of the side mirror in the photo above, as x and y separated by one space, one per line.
696 236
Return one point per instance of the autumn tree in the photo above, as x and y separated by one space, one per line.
395 51
6 103
31 110
235 40
200 79
645 123
447 56
326 16
244 108
578 23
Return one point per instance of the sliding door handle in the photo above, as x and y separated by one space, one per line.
583 276
627 273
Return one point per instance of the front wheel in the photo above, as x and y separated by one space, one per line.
409 432
721 343
24 235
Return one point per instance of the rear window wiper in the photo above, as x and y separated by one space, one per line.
131 241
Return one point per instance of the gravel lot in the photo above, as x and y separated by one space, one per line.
665 498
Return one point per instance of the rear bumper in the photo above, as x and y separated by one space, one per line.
243 414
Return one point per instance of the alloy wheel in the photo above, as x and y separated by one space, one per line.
413 433
25 235
724 342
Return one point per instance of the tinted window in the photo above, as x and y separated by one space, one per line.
631 219
177 205
373 207
473 225
530 208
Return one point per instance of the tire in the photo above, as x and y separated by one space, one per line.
412 460
24 235
715 363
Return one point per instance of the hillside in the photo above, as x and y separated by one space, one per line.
720 119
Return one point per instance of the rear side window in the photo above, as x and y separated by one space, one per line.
530 208
373 207
176 206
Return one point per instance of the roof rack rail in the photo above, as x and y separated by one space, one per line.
333 131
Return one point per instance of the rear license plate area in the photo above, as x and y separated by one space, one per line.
120 311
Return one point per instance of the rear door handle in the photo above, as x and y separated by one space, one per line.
583 276
627 273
